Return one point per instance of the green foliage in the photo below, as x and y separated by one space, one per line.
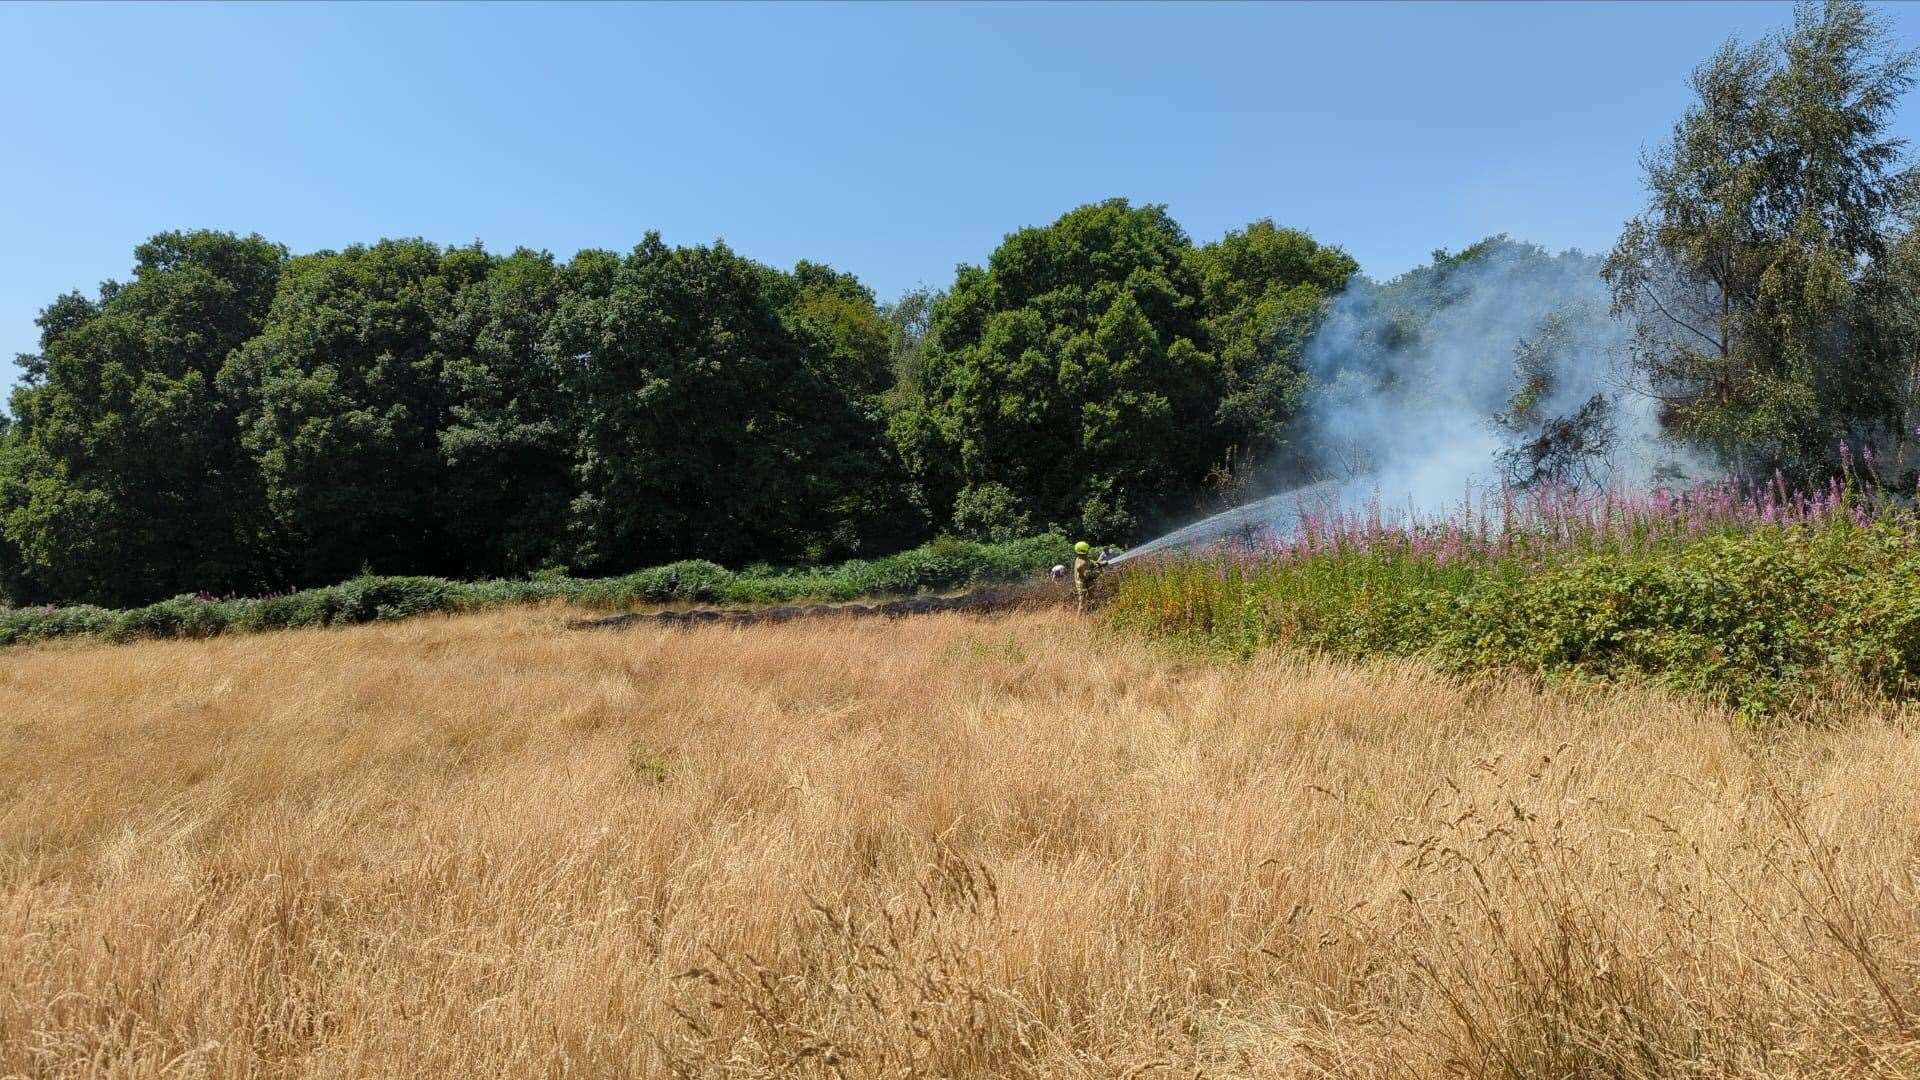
687 581
182 616
1265 290
1071 360
942 564
124 477
1762 274
1760 620
1753 620
1097 368
343 399
15 584
506 445
909 326
20 625
991 510
727 411
234 421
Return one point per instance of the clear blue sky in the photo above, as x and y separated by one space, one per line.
892 141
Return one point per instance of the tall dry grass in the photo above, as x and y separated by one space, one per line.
487 846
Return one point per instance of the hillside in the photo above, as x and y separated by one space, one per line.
483 845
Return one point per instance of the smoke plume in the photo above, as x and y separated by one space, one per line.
1431 388
1420 384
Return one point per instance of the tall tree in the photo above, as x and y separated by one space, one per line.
1265 291
126 482
507 444
725 409
1068 376
15 586
931 476
1778 195
344 398
848 345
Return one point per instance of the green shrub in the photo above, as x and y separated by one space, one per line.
182 616
24 625
942 564
689 580
378 599
1757 620
305 608
1754 620
501 592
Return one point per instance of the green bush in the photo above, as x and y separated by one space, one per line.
690 580
991 511
182 616
479 595
942 564
1757 620
36 624
1754 620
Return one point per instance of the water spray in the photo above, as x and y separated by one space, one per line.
1276 515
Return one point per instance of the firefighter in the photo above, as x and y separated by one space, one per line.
1086 568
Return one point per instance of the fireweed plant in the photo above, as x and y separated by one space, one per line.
1762 597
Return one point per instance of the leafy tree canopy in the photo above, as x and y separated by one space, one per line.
126 478
726 410
1093 371
342 400
1764 276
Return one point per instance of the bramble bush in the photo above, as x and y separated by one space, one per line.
942 564
1732 600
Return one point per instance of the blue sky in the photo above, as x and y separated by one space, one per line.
892 141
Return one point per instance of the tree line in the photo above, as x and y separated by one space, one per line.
235 418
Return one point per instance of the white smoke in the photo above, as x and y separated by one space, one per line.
1408 375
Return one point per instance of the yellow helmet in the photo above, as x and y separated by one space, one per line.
1083 548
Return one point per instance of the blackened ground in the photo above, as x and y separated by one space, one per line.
997 598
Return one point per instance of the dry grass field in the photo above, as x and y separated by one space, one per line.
949 846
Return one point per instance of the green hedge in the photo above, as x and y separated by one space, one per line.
1760 620
943 564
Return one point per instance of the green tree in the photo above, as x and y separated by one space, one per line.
926 458
15 586
125 481
910 328
507 444
1888 303
1751 275
849 341
848 345
1265 290
344 399
727 411
1101 369
1070 372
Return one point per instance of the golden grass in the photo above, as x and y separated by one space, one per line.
949 846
